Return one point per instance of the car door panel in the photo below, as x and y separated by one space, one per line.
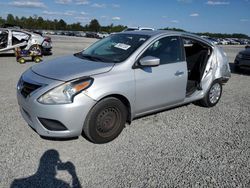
161 86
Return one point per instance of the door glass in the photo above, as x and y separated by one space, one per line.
19 37
167 49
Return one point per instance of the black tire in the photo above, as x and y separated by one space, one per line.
21 60
105 120
209 100
237 68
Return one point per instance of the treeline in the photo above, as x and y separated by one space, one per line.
225 35
37 22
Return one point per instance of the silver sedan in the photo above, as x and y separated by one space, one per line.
119 78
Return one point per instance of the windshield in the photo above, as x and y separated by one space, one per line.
115 48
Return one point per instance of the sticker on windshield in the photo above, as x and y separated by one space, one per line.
122 46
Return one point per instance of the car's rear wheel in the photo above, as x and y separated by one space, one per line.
105 120
213 95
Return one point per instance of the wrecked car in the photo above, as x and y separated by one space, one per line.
13 38
119 78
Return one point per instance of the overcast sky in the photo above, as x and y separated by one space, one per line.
225 16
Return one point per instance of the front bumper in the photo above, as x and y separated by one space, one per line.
72 116
243 63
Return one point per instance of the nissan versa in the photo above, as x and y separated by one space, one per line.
119 78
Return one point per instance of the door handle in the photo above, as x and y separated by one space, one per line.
179 73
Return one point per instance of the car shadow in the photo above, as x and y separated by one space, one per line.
45 175
7 55
13 54
59 139
48 54
245 72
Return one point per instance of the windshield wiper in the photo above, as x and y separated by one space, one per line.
78 54
86 56
92 58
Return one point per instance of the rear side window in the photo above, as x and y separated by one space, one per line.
20 35
168 50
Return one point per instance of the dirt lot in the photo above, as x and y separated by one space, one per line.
189 146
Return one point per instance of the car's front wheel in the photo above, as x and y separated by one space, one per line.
105 120
213 95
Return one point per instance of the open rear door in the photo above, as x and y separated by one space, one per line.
9 40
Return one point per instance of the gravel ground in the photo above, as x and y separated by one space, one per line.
189 146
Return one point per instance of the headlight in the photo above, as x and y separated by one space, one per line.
65 93
240 56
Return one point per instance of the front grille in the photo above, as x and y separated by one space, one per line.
245 56
28 88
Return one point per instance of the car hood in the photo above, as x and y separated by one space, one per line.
70 67
245 52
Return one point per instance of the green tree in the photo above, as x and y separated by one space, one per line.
30 23
173 29
62 24
118 28
75 27
2 21
40 22
94 25
36 22
10 19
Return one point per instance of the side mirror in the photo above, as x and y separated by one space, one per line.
149 61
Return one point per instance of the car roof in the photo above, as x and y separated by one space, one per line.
21 30
153 32
166 32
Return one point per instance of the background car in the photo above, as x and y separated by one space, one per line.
102 35
80 34
138 29
91 35
232 41
224 41
242 60
212 40
13 38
